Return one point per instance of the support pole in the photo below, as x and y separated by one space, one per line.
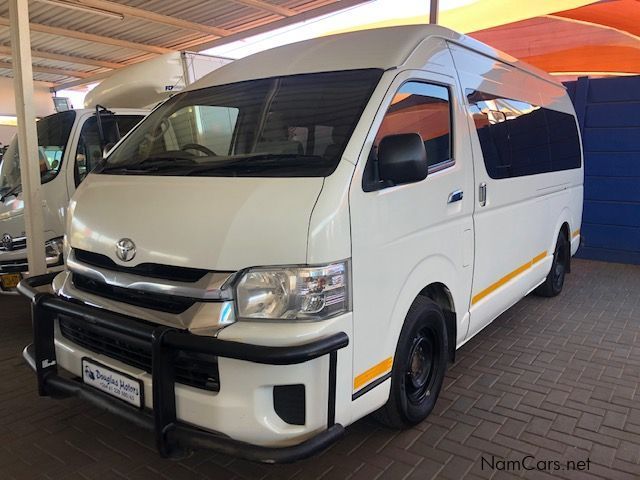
27 135
433 11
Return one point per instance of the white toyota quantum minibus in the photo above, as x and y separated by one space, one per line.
306 236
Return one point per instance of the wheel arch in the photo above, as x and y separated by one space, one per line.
435 277
440 294
563 225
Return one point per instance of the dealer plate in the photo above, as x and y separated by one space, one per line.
117 384
10 280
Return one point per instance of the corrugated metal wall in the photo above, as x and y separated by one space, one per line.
608 110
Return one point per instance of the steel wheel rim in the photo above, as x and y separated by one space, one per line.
421 368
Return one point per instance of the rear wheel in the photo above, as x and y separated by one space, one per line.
554 282
419 366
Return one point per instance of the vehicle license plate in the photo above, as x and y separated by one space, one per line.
10 280
114 383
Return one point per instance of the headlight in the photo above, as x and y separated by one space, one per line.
53 250
293 293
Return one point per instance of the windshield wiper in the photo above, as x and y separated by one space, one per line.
259 161
14 191
151 164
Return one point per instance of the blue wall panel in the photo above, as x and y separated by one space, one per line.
613 164
611 213
609 114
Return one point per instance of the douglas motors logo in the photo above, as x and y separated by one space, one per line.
89 373
111 382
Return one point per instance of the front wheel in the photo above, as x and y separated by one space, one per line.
554 282
419 366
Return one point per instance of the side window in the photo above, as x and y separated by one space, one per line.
421 108
564 142
519 139
89 150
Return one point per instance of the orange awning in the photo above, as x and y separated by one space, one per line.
602 38
563 37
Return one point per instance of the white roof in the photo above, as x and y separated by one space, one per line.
117 111
382 48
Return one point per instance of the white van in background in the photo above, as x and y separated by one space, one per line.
70 145
306 235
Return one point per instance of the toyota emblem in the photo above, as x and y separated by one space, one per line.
7 241
125 249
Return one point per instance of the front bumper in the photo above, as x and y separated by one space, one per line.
19 266
171 434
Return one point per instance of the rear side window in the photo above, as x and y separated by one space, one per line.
518 138
564 142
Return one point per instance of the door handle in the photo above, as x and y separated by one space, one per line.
482 194
455 196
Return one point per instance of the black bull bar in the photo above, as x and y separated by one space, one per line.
170 434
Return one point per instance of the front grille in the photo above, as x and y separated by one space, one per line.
194 369
153 270
139 298
14 266
17 244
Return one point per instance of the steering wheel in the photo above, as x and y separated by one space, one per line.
200 148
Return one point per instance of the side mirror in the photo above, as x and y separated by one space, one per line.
402 158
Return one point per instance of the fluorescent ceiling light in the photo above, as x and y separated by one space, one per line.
83 8
8 120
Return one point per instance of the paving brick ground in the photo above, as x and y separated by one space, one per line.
550 380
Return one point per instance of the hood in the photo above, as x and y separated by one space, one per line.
53 211
210 223
11 216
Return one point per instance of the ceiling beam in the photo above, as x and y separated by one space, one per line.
90 37
333 7
150 16
6 50
53 71
268 7
206 43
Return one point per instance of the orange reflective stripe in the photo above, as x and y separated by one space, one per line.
575 233
375 371
506 278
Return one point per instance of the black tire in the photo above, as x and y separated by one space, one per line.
419 366
554 282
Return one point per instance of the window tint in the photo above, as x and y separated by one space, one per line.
417 107
89 151
564 142
518 138
421 108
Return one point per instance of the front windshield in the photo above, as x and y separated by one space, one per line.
53 133
287 126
